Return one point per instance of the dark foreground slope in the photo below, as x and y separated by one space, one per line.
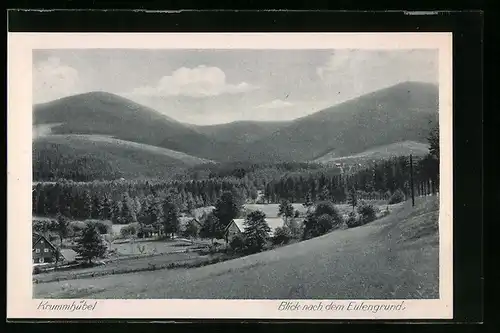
394 257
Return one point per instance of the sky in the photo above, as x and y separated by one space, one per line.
219 86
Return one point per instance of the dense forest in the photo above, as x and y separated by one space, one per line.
126 201
109 199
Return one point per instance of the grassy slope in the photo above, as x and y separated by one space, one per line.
131 159
377 153
394 257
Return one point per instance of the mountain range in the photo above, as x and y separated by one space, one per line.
404 112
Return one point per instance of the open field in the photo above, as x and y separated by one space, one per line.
152 247
404 148
271 210
393 257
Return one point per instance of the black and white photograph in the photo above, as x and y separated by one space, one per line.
237 174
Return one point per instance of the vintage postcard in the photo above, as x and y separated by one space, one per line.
253 176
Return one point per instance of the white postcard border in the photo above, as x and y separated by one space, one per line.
20 303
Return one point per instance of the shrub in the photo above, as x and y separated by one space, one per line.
237 244
102 227
215 247
397 197
324 218
282 235
385 212
295 228
191 230
353 220
367 213
37 270
128 231
144 231
317 225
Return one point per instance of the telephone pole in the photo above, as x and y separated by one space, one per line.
411 182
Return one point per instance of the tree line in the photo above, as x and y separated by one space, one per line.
378 181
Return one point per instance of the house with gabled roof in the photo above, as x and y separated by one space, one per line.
237 227
43 250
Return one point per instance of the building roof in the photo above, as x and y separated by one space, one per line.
273 222
185 220
69 254
36 237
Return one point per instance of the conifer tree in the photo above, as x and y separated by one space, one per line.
87 205
352 198
256 231
128 214
106 209
286 210
170 216
91 245
116 213
228 207
97 206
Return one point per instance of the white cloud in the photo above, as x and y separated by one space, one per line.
275 104
52 80
201 81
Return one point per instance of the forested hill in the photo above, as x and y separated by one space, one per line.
91 157
405 112
100 113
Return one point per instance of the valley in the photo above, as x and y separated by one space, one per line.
175 210
382 260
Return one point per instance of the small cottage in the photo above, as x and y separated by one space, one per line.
237 227
184 222
43 250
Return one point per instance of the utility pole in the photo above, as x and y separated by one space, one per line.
411 182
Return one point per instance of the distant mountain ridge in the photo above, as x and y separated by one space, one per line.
404 112
108 114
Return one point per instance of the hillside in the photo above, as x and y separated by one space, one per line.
398 113
395 257
91 157
378 153
241 132
108 114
